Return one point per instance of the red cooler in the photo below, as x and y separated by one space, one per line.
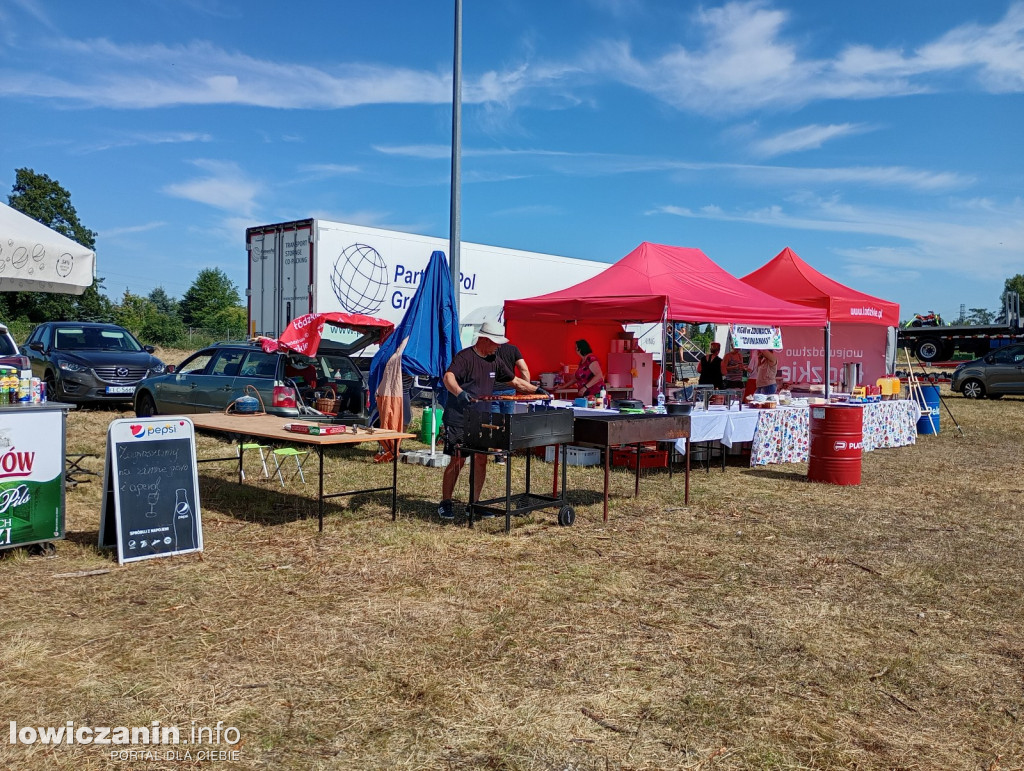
837 444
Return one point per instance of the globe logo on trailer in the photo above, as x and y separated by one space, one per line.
360 279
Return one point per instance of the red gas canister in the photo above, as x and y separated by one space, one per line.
837 444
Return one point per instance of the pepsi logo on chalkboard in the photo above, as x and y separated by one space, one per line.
151 501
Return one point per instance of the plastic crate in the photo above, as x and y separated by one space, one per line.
575 456
648 458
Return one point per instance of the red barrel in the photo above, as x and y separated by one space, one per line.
837 444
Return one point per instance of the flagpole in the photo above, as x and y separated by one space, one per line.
455 225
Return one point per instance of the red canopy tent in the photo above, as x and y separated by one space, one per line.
857 322
652 283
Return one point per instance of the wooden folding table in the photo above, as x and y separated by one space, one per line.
272 427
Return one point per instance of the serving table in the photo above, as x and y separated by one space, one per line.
272 427
783 434
606 429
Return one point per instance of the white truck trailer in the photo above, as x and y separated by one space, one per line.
317 266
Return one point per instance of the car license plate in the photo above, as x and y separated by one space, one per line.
121 389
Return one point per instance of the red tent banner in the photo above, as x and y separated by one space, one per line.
652 283
304 333
858 322
655 282
789 278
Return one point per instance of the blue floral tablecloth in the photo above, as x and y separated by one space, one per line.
783 435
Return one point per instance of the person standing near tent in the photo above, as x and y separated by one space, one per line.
470 375
509 361
732 369
710 368
589 377
767 370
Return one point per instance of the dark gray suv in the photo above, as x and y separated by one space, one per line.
89 362
994 375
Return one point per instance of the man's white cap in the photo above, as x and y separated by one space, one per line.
493 331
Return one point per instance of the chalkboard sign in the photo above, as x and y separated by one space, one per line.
151 498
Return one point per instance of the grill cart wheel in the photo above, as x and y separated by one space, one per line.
566 515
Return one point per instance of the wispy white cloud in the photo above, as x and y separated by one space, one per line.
743 60
131 229
618 9
804 138
101 73
226 187
435 152
328 170
133 140
974 238
531 210
600 164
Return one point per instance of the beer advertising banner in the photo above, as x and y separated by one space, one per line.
31 478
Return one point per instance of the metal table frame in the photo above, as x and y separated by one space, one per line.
270 427
534 501
586 439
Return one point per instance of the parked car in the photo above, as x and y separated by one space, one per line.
10 355
288 384
993 375
85 362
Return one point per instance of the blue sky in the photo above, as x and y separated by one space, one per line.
879 140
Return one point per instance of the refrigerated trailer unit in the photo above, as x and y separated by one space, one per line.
319 266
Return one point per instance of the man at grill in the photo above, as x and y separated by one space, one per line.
470 375
512 376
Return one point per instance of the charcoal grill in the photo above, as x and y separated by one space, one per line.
500 434
610 430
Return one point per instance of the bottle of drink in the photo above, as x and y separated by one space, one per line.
661 398
603 398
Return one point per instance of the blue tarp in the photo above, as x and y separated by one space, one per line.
431 327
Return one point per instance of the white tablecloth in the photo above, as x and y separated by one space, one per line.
721 424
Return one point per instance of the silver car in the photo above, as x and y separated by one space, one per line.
992 376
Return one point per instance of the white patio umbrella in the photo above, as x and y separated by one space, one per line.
35 258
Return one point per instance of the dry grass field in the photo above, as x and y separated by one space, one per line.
772 624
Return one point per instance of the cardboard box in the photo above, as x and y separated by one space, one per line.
313 429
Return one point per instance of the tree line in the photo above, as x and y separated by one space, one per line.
211 303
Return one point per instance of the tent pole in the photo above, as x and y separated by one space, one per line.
828 358
664 349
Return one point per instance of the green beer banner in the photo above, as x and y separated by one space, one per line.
31 482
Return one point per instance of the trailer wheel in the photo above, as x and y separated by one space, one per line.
973 389
929 350
566 515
